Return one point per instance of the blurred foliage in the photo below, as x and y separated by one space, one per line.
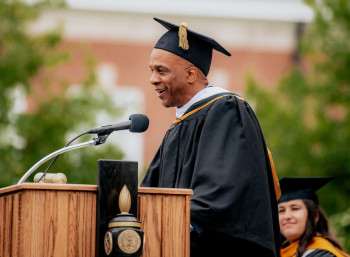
341 221
59 111
305 118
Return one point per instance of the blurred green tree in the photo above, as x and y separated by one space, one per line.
306 117
58 112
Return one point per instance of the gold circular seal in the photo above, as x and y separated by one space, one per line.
108 243
129 241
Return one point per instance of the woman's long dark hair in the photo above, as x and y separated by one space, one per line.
313 228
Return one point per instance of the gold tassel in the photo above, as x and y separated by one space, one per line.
183 42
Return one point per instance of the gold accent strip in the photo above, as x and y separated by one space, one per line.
274 175
196 110
124 224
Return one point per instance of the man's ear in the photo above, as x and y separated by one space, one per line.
192 75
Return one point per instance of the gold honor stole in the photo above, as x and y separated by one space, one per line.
316 243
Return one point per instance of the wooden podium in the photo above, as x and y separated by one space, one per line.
43 220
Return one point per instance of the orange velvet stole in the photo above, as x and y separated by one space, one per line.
316 243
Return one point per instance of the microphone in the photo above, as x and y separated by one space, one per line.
137 123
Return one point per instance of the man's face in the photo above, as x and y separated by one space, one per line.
169 78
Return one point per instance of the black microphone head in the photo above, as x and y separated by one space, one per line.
139 123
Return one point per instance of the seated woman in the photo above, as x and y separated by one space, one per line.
302 222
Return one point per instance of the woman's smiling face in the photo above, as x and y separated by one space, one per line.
292 219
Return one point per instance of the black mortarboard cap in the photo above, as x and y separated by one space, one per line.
301 188
192 46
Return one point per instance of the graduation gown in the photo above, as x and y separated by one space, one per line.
218 151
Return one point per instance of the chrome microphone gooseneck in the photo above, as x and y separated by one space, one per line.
48 157
137 123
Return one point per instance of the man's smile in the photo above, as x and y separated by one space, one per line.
160 91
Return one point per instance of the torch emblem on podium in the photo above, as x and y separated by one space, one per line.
124 236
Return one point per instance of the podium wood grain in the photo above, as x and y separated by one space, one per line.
165 217
44 220
60 220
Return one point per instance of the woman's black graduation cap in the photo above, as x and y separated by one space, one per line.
301 188
190 45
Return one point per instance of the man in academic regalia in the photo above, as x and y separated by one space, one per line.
216 148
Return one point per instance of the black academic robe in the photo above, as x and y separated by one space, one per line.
219 152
